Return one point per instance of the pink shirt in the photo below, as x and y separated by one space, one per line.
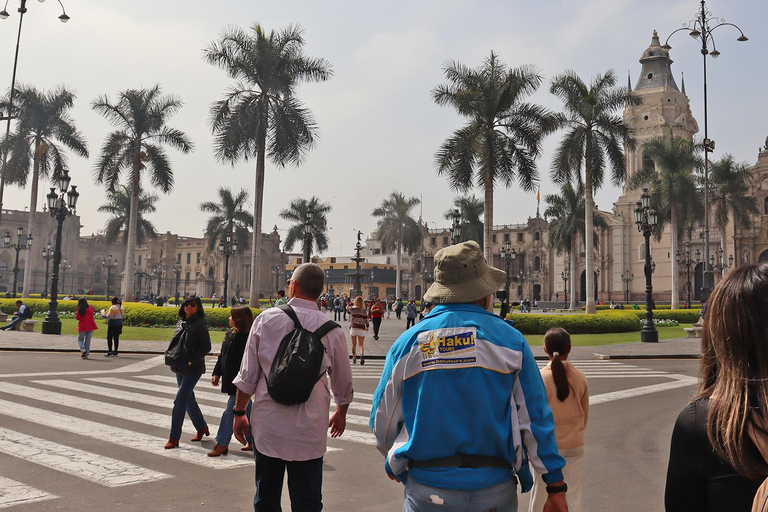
295 432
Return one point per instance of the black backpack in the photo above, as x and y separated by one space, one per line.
28 313
298 362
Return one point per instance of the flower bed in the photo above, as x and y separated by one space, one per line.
603 322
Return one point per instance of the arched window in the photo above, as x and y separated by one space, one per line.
765 206
536 236
211 271
648 163
97 275
3 271
536 263
418 269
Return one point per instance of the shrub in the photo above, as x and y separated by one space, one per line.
683 316
616 321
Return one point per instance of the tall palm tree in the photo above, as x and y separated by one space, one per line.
730 196
470 209
297 212
119 206
594 137
396 229
260 115
228 217
43 120
673 189
566 214
502 136
138 144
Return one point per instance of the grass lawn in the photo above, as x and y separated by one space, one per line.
595 340
69 326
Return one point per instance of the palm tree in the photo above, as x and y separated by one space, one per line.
502 137
297 212
470 209
595 136
730 196
673 189
260 115
566 214
140 116
119 206
43 119
396 229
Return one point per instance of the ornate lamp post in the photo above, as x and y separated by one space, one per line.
18 246
60 205
109 264
647 219
455 226
308 234
701 28
277 272
64 266
176 269
47 256
507 255
227 248
4 15
565 274
159 271
687 261
627 278
720 265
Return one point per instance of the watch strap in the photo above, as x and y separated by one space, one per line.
553 489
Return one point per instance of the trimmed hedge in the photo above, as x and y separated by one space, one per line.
616 321
606 307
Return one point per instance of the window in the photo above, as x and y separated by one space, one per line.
197 258
377 251
433 240
536 263
139 259
493 238
537 236
4 270
189 258
765 206
506 237
520 237
178 258
445 240
186 279
211 271
647 163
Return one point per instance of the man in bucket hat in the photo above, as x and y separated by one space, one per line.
461 407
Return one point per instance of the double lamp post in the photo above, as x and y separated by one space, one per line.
647 220
18 246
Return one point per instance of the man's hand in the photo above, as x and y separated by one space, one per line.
242 429
556 503
215 380
338 421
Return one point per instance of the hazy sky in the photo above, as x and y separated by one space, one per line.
379 128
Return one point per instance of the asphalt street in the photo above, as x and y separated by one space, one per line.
87 435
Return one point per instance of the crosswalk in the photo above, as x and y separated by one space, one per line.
130 407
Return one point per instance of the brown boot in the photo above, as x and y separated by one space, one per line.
247 448
200 434
172 443
218 450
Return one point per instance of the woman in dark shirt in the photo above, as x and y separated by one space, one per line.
714 464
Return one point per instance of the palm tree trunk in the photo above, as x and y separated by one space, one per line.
397 271
574 252
27 282
258 203
673 248
589 238
488 227
133 221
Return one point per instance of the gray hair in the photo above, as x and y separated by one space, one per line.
310 278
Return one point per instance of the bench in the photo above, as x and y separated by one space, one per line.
3 317
695 330
29 325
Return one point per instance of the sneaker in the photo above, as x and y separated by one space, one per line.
108 354
82 354
354 358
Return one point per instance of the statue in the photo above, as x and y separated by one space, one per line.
766 143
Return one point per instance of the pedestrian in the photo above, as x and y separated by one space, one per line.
358 326
281 298
337 308
719 447
114 326
227 366
504 309
461 401
86 324
375 312
193 332
23 312
345 303
568 397
410 314
294 437
398 308
388 305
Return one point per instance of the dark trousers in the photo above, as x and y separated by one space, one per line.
410 322
113 335
336 314
376 321
305 484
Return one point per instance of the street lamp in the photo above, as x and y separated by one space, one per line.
176 269
308 234
701 28
507 255
18 246
109 264
455 226
159 271
60 206
565 274
227 248
647 220
688 261
720 265
64 266
627 278
47 256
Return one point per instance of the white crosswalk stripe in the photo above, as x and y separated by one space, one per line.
14 493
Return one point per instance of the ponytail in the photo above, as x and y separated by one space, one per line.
557 342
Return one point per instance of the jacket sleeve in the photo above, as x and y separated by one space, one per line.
235 355
686 489
340 370
387 418
198 340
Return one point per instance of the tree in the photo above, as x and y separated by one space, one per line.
566 215
260 115
297 212
119 206
396 229
673 189
43 120
502 136
595 136
140 116
470 209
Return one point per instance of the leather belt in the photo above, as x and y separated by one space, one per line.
462 461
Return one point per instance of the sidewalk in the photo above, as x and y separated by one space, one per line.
680 348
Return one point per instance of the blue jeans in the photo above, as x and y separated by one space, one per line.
227 419
305 484
84 340
185 403
423 498
14 322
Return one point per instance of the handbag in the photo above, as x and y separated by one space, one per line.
176 353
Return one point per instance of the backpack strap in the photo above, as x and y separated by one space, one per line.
326 328
288 310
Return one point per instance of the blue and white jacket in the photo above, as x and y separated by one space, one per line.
464 381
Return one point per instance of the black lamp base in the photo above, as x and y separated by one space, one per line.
51 327
649 336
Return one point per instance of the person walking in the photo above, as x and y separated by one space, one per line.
337 305
358 326
388 305
719 448
85 326
410 314
375 313
227 366
568 397
398 307
292 438
114 318
193 330
461 402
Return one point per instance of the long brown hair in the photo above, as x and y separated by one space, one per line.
243 318
557 343
734 367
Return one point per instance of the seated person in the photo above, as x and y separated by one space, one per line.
22 313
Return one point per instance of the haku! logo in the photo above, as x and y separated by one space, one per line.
458 341
428 348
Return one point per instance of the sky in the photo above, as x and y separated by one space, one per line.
379 128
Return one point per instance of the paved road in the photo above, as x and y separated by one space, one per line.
88 435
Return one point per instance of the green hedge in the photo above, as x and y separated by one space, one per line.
616 321
684 316
606 307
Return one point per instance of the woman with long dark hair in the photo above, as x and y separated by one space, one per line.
226 369
85 327
568 397
193 330
719 444
114 325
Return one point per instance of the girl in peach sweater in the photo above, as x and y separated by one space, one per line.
568 396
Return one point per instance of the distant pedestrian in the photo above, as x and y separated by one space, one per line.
504 310
345 303
358 327
375 313
85 327
410 314
337 308
114 326
388 305
281 298
398 307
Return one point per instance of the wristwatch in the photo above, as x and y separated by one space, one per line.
553 489
238 413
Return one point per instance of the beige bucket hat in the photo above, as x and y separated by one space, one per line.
462 275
